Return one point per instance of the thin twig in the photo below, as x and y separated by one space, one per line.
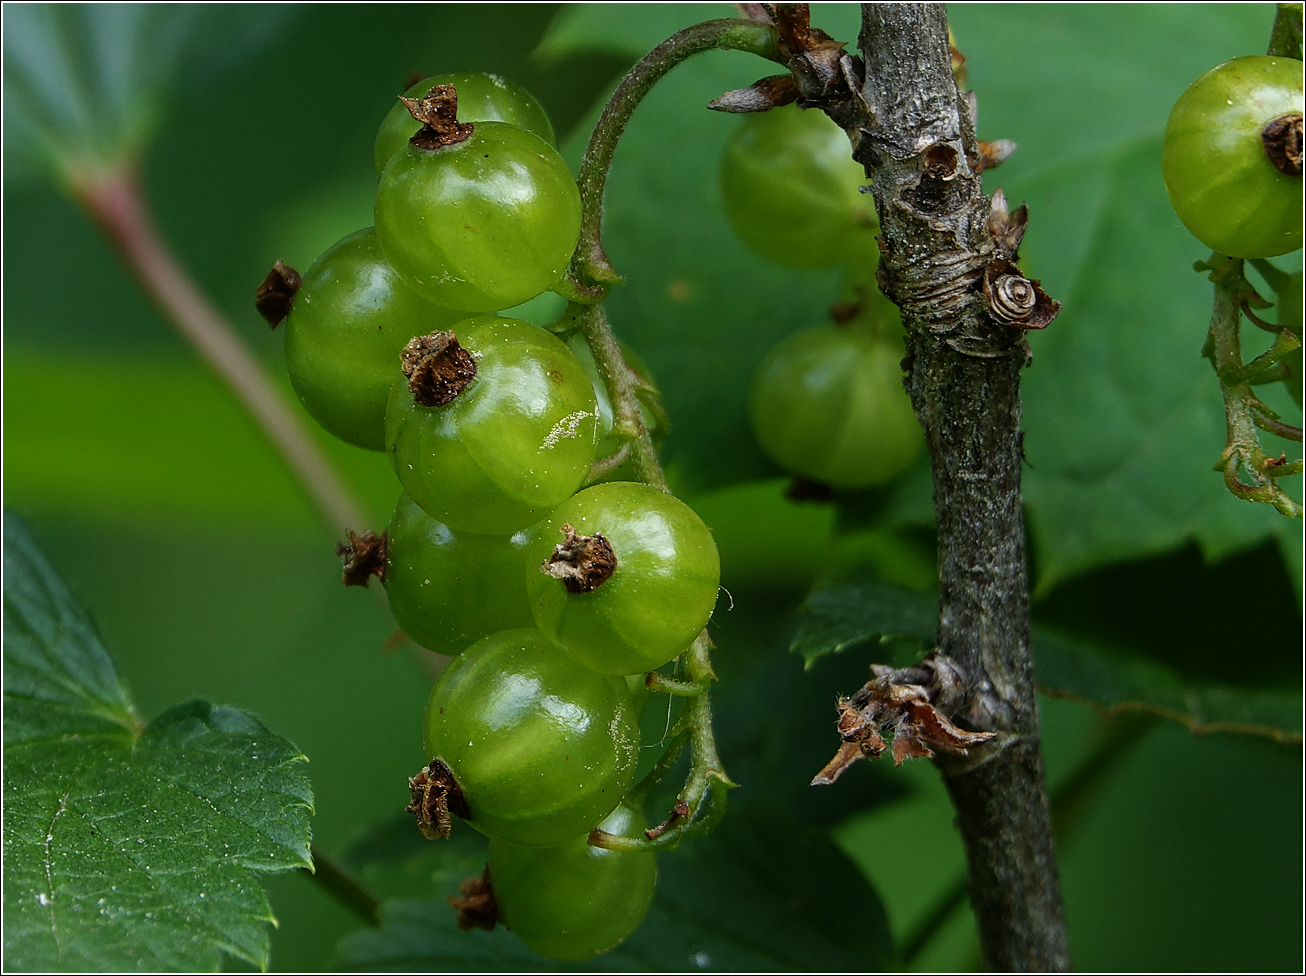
114 199
344 887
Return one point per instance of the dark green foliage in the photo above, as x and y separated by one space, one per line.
129 845
202 562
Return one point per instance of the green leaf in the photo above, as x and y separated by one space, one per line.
842 615
129 846
757 895
85 83
846 614
1118 682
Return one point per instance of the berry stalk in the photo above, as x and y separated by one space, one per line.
586 286
1249 472
591 272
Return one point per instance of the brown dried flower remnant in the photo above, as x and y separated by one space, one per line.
475 903
901 704
582 562
437 110
276 293
1282 139
363 557
761 96
1016 300
435 795
437 367
993 154
1007 226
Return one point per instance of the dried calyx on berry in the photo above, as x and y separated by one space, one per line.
438 113
276 293
435 795
363 557
438 369
582 562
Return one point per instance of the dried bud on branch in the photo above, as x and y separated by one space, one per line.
1007 227
992 154
905 706
761 96
1016 300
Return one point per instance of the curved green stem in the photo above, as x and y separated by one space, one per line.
1243 457
585 287
621 381
669 686
591 272
1286 34
707 782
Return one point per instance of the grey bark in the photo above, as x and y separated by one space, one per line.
913 131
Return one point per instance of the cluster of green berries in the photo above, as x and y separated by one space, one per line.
827 403
555 602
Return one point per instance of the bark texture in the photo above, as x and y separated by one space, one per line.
913 131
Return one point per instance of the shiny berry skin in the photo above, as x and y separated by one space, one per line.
574 901
447 588
542 750
349 321
657 599
1221 182
483 224
514 444
790 189
481 98
828 404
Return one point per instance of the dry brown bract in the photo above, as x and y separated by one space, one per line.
897 704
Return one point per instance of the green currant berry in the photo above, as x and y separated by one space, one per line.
512 443
347 325
1219 163
482 224
828 404
574 901
541 750
622 577
447 588
791 190
481 98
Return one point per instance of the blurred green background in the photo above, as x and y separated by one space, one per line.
210 575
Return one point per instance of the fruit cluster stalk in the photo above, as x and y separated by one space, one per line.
591 272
